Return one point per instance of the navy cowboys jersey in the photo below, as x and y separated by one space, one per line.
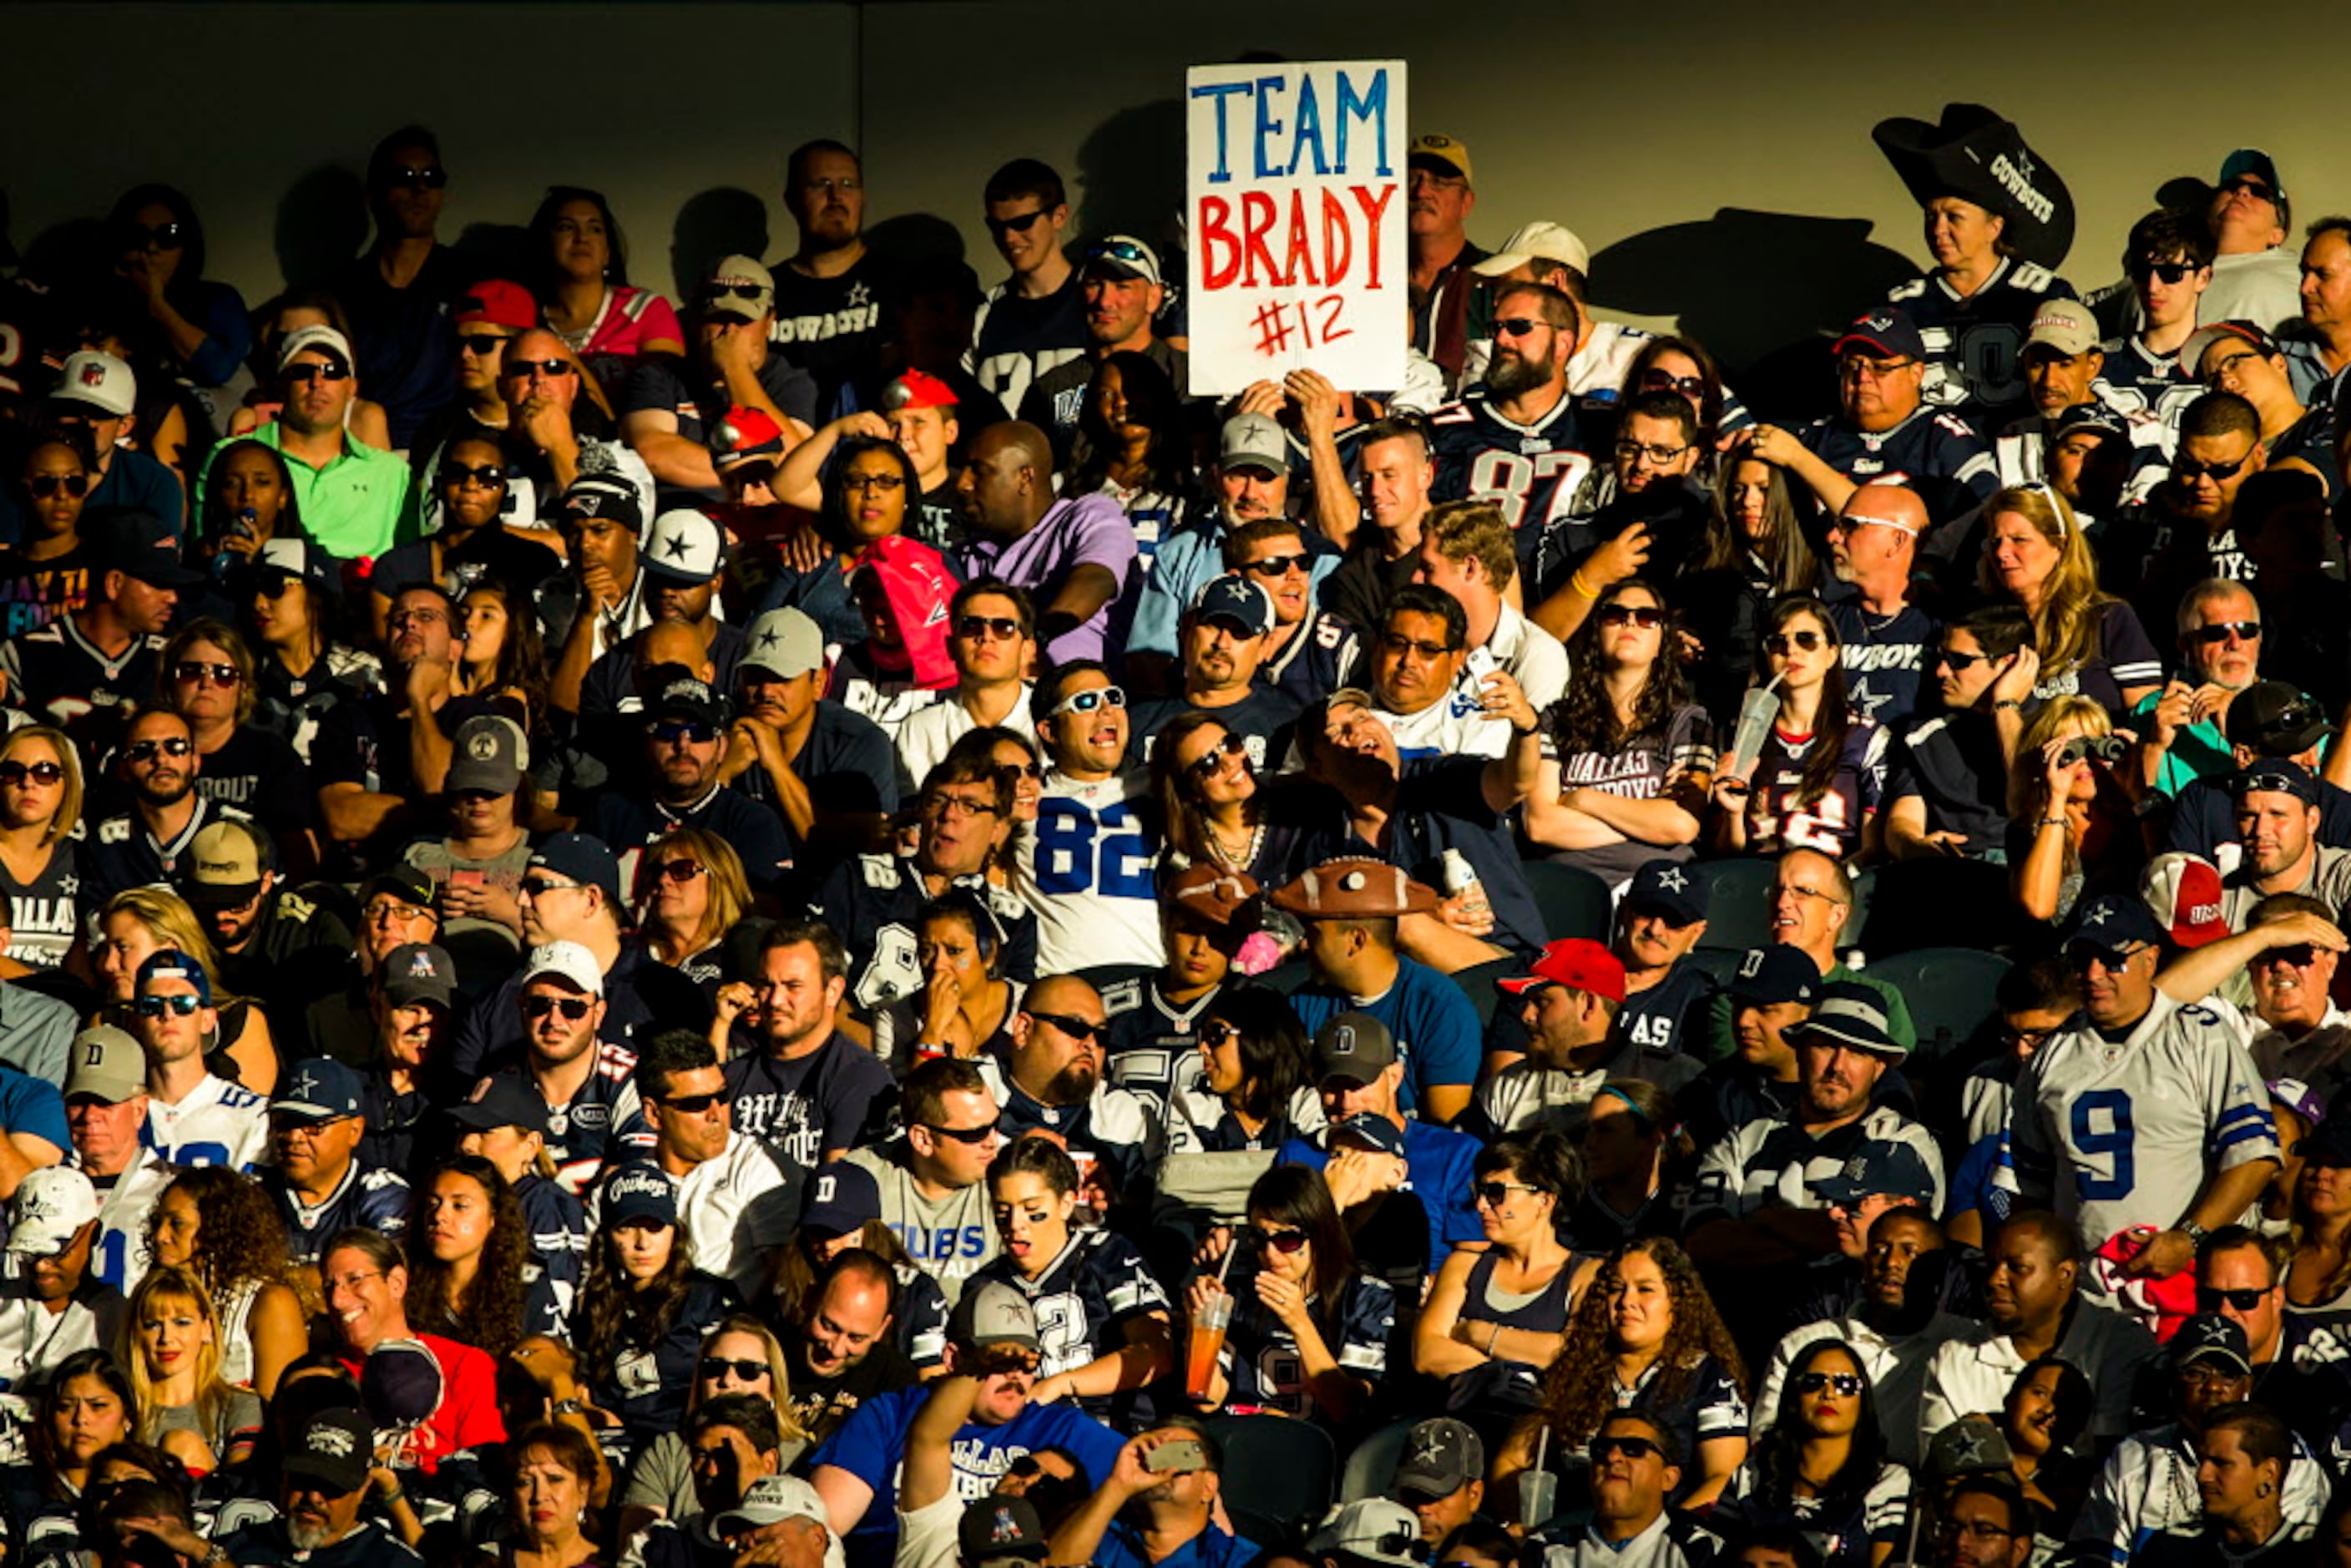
604 1125
870 904
1529 471
376 1199
1083 1301
1260 1356
1937 454
1670 1016
1148 1045
1884 658
1974 342
2162 388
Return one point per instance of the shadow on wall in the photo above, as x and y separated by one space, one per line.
1764 291
500 250
1130 174
916 237
723 221
322 221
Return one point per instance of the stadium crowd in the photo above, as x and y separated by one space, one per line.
832 925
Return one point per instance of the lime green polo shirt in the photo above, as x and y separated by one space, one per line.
352 507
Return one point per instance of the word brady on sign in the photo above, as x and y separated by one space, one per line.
1295 200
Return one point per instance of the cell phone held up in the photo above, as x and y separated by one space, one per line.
1176 1456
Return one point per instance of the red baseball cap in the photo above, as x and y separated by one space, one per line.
916 389
1579 964
744 434
498 303
2185 893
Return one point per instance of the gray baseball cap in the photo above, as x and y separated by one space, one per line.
107 1065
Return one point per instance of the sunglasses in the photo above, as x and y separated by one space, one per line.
1494 1194
1644 616
147 750
1664 381
1958 663
971 1135
573 1009
1278 565
2082 955
2167 271
432 177
693 1105
979 628
184 1004
482 345
1075 1028
745 1371
1283 1239
1847 1384
540 886
2107 748
489 475
749 293
1606 1448
1782 642
1124 250
2222 631
691 731
2209 1300
1088 701
2249 185
39 772
44 486
1211 762
553 370
1515 325
303 375
160 236
196 673
680 871
1214 1033
1020 225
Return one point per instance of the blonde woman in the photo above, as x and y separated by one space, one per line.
223 1230
2085 643
139 922
691 891
174 1355
40 832
740 1355
2073 828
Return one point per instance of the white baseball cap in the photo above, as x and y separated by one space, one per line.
566 961
98 380
319 339
1537 242
50 1208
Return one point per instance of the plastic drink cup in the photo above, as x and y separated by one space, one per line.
1208 1325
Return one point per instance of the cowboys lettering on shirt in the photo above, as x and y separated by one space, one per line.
1670 1014
872 902
1884 657
1531 471
1974 342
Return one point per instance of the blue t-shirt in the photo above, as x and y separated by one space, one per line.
1212 1548
1440 1166
872 1446
30 1104
1433 1022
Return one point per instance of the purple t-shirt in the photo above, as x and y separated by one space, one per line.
1085 528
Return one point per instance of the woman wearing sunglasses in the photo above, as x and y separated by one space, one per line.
304 672
1498 1317
1254 1088
1648 1338
1816 783
2085 643
1667 363
1310 1328
2074 831
1755 553
690 893
1821 1464
1632 753
1209 795
585 297
466 497
40 815
1111 1338
1132 446
470 1273
46 573
190 326
207 675
139 922
642 1309
740 1355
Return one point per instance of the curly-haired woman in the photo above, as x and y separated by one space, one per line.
223 1227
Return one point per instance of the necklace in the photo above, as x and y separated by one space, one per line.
1220 848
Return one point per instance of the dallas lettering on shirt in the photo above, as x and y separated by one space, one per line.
861 313
1636 774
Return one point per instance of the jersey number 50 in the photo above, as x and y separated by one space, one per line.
1078 852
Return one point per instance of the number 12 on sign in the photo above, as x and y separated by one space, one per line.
1286 325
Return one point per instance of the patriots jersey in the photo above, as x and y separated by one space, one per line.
604 1124
1779 819
1936 454
218 1123
2122 1133
61 677
558 1234
870 904
1974 342
377 1199
1532 472
1313 661
1084 869
1260 1358
1083 1301
1149 1048
1111 1127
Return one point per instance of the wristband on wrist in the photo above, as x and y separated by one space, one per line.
1583 590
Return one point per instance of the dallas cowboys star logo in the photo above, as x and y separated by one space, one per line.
676 546
769 638
2097 916
69 885
859 295
304 1086
1673 880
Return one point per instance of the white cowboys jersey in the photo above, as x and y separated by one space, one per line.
218 1123
1085 867
2118 1135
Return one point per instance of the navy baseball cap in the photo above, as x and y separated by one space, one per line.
316 1091
502 1102
2094 416
639 1194
2113 919
171 964
1235 598
136 542
2276 775
1881 1168
418 972
1670 888
1372 1129
1769 976
580 858
1887 331
2212 1336
842 1195
2250 161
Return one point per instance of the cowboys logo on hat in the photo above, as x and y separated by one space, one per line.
1975 154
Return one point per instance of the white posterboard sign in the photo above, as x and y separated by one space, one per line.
1295 203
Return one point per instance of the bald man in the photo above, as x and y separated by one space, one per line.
1889 642
1053 1084
1077 557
